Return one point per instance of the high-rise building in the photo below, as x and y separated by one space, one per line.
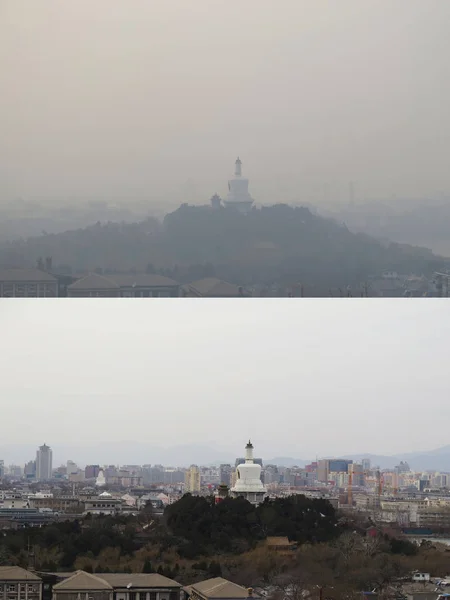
357 471
193 480
366 464
225 474
15 471
323 470
44 459
30 470
271 474
339 465
91 471
2 468
403 467
331 465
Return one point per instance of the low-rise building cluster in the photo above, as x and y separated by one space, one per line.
17 583
45 282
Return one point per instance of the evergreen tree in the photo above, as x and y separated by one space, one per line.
147 568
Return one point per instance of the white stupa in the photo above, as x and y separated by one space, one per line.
100 481
248 482
238 196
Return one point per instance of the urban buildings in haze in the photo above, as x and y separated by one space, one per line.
44 460
193 479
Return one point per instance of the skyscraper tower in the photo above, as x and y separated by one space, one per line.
44 458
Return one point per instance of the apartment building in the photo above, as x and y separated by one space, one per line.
434 517
193 479
64 504
44 459
19 584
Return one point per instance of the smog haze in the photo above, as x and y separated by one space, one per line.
156 99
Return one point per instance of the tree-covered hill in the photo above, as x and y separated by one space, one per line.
234 524
276 244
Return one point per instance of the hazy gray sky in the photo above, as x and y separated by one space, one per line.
300 378
135 97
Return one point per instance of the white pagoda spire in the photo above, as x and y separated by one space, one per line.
238 168
249 452
101 480
248 479
238 196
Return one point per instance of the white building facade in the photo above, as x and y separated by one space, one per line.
238 196
248 483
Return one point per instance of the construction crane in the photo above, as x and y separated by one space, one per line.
379 486
349 488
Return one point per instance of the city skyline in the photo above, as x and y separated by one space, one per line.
206 456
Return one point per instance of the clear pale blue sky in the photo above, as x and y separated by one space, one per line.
300 378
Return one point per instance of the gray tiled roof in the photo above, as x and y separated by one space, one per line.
25 275
143 280
94 281
143 580
17 574
219 588
81 580
213 287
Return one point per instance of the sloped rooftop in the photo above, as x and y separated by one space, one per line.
81 580
147 580
94 281
217 587
215 288
87 581
14 573
18 275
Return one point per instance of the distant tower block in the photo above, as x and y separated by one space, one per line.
238 196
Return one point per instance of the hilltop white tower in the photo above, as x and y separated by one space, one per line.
248 482
101 480
238 196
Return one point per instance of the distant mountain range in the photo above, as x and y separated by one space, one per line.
130 452
432 460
